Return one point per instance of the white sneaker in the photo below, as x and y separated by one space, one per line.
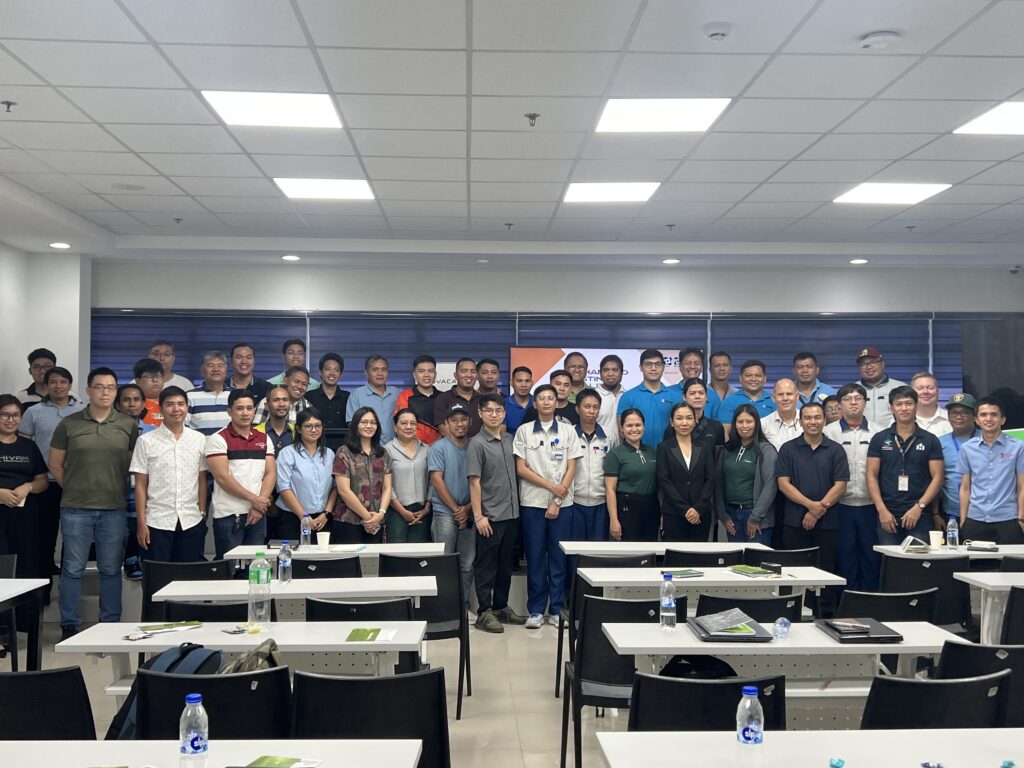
552 620
535 621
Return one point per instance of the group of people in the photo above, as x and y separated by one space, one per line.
139 469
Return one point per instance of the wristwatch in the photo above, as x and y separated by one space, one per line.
921 504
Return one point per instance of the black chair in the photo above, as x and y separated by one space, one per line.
409 706
156 575
600 677
1013 619
972 702
1012 564
672 704
446 614
8 621
679 558
187 611
784 557
330 568
383 610
48 705
569 615
896 606
760 609
953 600
240 705
969 660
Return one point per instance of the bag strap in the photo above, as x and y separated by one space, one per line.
194 661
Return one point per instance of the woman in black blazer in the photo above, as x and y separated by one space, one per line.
686 469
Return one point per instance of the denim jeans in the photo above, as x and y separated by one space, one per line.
231 531
79 528
462 540
920 530
740 518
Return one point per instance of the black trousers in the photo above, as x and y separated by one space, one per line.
48 504
348 533
639 516
1006 532
492 568
827 542
677 528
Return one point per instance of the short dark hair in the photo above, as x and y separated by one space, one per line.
853 388
521 369
324 359
101 371
585 393
42 353
751 363
171 391
312 413
545 388
488 361
162 343
146 365
423 359
691 383
240 394
462 360
677 406
830 399
246 345
373 359
692 351
559 372
720 353
902 391
64 373
490 398
6 400
296 369
401 411
989 400
631 412
611 359
125 387
291 343
813 404
650 354
805 356
575 354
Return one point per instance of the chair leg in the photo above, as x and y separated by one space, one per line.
462 677
565 718
469 663
577 732
558 658
12 643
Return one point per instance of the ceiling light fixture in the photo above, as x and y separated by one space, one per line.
274 110
858 262
878 193
611 192
660 115
1006 119
60 246
291 257
127 310
670 261
483 261
652 314
325 189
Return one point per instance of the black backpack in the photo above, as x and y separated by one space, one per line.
186 659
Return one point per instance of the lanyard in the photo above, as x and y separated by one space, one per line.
903 450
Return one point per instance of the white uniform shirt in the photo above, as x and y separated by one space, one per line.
546 452
877 409
172 466
607 416
855 443
588 484
777 432
938 424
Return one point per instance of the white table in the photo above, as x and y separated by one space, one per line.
954 748
657 547
291 637
1013 550
27 593
368 553
373 587
393 753
994 586
613 580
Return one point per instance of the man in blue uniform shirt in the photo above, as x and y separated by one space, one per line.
651 397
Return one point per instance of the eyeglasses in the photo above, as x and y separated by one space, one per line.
10 416
852 399
366 423
653 364
41 368
152 376
313 427
104 387
492 411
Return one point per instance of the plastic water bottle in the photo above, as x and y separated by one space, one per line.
953 533
259 592
284 562
306 537
194 729
750 722
668 603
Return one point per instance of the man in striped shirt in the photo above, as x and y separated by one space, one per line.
208 404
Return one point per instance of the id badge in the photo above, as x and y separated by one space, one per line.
904 483
557 454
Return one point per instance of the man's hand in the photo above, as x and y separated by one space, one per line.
692 516
483 526
810 521
552 511
9 498
559 489
461 515
615 529
887 521
753 530
261 504
911 516
254 516
142 534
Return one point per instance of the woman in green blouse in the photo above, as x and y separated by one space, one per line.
745 488
631 483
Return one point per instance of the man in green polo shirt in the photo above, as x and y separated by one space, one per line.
89 458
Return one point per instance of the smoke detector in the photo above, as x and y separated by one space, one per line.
717 31
879 41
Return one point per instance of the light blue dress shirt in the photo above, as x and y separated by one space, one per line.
993 470
308 477
383 405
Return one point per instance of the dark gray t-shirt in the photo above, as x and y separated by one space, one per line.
491 459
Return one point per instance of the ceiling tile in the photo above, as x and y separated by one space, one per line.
971 148
743 229
244 22
520 170
139 229
46 183
309 167
726 170
415 169
540 25
596 228
786 115
829 170
520 225
747 210
110 218
931 171
134 105
187 139
203 165
908 227
93 162
508 113
752 146
263 220
235 68
913 116
610 170
1004 212
424 208
943 211
541 74
612 211
838 24
513 210
850 77
703 192
410 143
109 65
81 202
657 75
669 211
293 141
109 184
20 161
842 211
411 225
68 20
244 204
13 73
336 207
438 113
865 146
421 190
395 71
541 145
39 104
155 203
497 192
386 23
73 136
800 192
959 77
346 223
196 185
1004 173
656 146
996 32
983 193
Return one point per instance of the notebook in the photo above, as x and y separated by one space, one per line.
861 630
732 626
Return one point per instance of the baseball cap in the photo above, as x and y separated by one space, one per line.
963 399
868 352
455 408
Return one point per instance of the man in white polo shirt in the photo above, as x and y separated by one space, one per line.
930 416
783 425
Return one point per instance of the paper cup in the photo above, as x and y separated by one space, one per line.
935 539
323 541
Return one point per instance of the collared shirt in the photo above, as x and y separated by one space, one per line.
588 483
491 459
365 473
258 387
450 460
280 440
938 424
547 451
247 462
152 416
332 413
277 381
897 457
819 392
714 403
172 466
993 470
97 457
29 397
423 406
655 406
179 381
636 468
607 417
310 478
812 472
566 413
382 404
293 411
855 442
409 477
514 412
951 447
41 420
776 431
764 405
446 400
877 410
207 410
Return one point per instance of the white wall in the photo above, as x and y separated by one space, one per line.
13 319
480 289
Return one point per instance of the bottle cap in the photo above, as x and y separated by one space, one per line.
260 553
667 576
194 698
284 541
750 690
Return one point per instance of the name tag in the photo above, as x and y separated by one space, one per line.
904 483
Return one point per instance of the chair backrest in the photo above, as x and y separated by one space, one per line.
596 659
188 611
784 557
330 568
1012 564
156 575
1013 619
580 588
445 614
383 610
896 606
673 704
239 705
972 702
47 705
8 566
679 558
953 601
970 660
419 697
760 609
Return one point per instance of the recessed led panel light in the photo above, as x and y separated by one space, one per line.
1006 119
670 261
326 189
276 110
660 115
60 246
858 261
878 193
611 192
291 257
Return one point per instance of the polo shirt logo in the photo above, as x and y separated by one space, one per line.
920 447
